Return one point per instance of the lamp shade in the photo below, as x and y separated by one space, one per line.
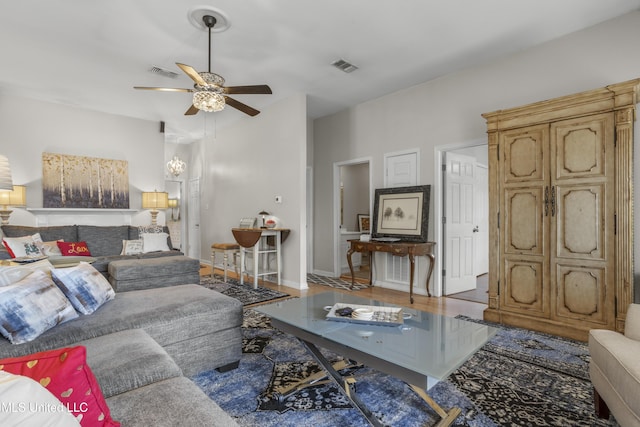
155 200
15 197
6 183
173 203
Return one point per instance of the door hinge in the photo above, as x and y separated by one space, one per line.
498 220
615 224
444 219
444 272
444 167
498 287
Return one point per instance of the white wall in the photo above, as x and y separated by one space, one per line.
29 127
448 110
244 167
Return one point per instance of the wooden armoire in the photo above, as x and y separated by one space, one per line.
561 212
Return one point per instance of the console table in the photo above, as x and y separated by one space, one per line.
400 248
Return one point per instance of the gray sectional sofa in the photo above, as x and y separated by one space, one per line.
124 272
144 344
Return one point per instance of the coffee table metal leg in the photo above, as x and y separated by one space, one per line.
446 418
345 383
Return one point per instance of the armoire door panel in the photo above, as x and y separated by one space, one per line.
581 222
524 286
579 147
580 295
524 154
524 221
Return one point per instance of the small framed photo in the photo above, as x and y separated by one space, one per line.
364 223
402 213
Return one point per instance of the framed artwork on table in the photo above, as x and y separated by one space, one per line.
401 213
364 223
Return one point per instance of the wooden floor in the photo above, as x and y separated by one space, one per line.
441 305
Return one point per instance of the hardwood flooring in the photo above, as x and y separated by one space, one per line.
439 305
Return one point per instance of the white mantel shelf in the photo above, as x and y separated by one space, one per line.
86 216
80 210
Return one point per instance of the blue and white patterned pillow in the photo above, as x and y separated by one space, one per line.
31 306
86 287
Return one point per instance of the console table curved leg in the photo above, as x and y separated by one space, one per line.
353 280
432 260
412 264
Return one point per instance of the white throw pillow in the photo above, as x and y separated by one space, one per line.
153 242
22 246
131 247
47 248
26 403
14 273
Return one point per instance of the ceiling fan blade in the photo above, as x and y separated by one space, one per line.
191 111
240 106
246 90
191 72
164 89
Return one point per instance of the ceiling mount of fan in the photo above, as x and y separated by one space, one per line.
209 92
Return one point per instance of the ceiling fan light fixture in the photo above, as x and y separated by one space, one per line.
208 101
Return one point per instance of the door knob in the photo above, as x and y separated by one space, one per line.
476 229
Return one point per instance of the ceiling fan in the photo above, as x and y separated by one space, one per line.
209 92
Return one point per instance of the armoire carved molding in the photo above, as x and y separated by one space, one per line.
561 212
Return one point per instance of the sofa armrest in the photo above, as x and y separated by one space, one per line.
632 323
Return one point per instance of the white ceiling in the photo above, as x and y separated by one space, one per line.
90 53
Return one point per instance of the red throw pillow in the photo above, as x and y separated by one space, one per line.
65 373
74 248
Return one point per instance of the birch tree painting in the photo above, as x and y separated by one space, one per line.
84 182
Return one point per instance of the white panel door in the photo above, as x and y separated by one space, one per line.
459 183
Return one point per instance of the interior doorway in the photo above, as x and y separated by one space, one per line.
462 205
352 183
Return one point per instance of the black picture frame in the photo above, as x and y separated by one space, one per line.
402 213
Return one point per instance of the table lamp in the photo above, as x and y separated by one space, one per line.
173 204
155 200
263 214
16 197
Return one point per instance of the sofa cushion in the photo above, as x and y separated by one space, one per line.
24 246
131 247
84 286
135 274
11 274
31 306
65 373
161 404
15 390
146 362
135 232
65 232
103 240
154 242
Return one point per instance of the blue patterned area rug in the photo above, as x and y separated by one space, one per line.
245 293
520 378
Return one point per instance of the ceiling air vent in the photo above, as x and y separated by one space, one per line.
343 65
163 72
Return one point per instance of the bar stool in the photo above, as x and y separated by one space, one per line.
226 249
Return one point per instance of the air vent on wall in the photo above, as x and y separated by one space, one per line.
163 72
343 65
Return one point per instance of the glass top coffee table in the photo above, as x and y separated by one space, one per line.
421 349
